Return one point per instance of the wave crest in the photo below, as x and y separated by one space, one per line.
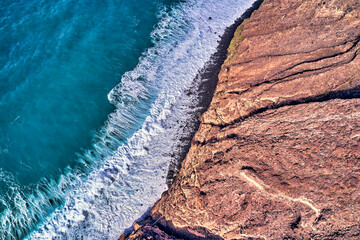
128 165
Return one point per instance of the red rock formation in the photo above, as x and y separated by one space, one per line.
277 154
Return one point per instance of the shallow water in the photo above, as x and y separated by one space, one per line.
64 171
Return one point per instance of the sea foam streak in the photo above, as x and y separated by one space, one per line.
132 175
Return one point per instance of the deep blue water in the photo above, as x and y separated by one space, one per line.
58 61
96 97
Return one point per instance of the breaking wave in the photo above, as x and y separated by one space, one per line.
125 171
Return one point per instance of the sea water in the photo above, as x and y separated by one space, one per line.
93 99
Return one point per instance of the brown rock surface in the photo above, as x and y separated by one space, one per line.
277 154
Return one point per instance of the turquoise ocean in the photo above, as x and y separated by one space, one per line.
95 96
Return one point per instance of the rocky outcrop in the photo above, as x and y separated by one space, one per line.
277 154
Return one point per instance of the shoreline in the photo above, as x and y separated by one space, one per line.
209 76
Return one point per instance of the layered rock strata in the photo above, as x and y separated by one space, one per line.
277 154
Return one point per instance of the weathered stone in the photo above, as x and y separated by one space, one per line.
292 171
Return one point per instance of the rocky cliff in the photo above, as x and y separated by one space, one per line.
277 154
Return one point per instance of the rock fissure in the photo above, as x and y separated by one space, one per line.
353 45
290 76
346 94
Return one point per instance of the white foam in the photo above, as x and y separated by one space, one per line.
132 177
